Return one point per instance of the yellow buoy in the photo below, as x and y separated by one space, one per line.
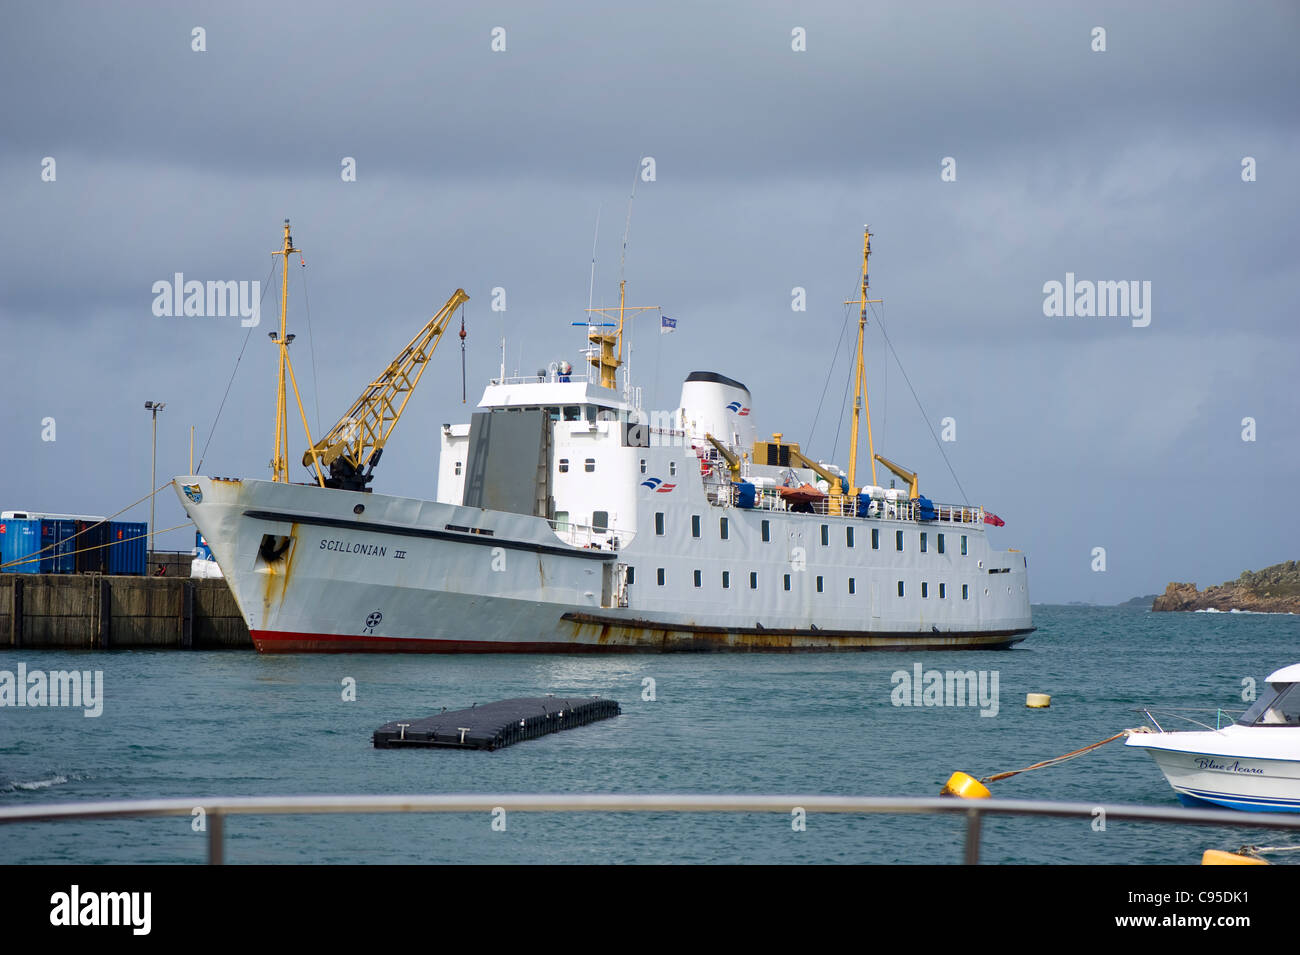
1219 857
1038 701
965 787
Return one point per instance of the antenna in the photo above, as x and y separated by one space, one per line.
591 286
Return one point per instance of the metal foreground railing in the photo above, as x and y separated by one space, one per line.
973 810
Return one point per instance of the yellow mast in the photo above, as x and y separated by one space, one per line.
860 389
280 462
607 360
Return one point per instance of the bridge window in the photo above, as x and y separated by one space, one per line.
753 580
767 531
572 413
923 543
695 525
963 545
631 576
699 579
925 589
659 523
561 520
661 576
787 581
600 521
965 591
900 588
898 540
853 586
826 535
875 538
943 591
722 528
940 543
848 536
726 580
819 584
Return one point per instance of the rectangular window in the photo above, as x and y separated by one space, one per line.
561 520
900 588
853 585
600 521
898 540
564 465
631 576
767 531
848 536
590 464
923 542
753 580
458 467
643 465
695 525
787 581
659 523
699 579
965 592
940 542
925 589
826 535
722 528
943 591
963 545
819 584
875 538
726 580
661 576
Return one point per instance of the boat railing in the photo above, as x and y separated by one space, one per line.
1222 717
725 494
588 536
215 810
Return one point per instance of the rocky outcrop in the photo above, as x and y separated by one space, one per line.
1275 589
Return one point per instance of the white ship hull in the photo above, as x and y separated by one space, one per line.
325 570
1252 769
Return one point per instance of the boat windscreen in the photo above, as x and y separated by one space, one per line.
1279 705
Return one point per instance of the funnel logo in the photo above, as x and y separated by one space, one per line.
736 408
657 485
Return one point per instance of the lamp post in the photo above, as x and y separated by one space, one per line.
154 407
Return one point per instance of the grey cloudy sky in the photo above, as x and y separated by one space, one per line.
482 169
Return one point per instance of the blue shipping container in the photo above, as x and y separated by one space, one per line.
18 541
58 546
126 547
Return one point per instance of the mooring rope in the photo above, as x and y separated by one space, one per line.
1056 760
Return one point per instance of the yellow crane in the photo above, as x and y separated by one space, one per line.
909 476
354 445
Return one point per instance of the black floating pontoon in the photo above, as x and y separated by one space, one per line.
494 725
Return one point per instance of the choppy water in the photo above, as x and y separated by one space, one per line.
235 723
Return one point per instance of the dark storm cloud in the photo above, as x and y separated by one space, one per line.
484 169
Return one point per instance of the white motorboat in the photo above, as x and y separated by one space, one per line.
1251 764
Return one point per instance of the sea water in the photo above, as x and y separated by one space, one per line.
194 724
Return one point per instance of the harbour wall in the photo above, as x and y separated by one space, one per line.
101 612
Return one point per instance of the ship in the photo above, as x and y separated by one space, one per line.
569 518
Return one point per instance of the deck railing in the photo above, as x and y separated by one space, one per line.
216 809
723 494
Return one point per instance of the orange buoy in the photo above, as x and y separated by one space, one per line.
965 786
